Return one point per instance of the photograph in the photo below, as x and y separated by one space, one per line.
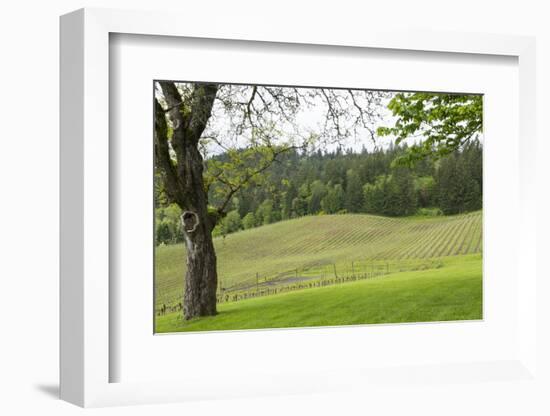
282 206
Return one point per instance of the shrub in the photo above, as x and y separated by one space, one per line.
429 212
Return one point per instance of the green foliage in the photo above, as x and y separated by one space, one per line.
300 204
318 191
375 195
429 212
445 122
425 189
264 214
333 202
231 222
354 192
289 193
239 169
307 184
302 184
164 235
405 194
168 225
249 221
457 183
392 195
472 196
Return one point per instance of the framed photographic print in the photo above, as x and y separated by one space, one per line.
273 214
310 215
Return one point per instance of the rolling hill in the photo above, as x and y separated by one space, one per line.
314 244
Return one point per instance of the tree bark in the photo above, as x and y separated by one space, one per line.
184 184
201 278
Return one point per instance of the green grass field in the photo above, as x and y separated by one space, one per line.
453 292
319 245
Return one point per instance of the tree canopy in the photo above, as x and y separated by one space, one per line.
441 122
307 183
252 126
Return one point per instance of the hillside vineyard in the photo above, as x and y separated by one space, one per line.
312 246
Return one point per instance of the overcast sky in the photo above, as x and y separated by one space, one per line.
309 119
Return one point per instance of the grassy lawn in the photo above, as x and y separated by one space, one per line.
453 292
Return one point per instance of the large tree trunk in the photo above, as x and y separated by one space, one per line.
201 278
184 185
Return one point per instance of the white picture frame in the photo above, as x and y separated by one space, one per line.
85 164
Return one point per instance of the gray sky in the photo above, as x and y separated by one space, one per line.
309 119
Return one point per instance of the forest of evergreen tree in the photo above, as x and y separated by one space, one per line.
347 181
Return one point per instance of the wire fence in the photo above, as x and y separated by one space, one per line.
309 277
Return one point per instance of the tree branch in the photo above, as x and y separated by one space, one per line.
234 188
162 155
200 108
